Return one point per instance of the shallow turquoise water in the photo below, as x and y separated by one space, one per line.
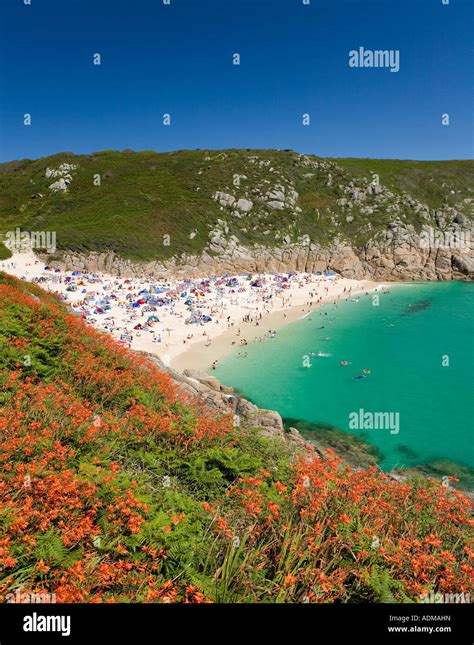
433 323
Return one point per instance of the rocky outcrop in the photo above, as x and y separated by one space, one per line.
400 253
223 198
225 400
244 205
63 171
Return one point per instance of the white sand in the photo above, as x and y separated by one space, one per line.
192 345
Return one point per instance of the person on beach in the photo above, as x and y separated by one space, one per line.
228 301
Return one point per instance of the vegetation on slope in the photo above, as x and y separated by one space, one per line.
431 182
5 253
145 196
114 487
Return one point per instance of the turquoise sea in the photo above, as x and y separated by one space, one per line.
418 344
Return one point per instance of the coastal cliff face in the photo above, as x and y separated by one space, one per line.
223 399
201 213
402 254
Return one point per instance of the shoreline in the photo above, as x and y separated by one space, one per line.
105 302
200 356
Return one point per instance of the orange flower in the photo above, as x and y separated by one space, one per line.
40 566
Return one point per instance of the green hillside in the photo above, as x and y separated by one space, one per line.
430 182
145 196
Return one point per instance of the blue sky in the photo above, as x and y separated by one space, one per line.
177 59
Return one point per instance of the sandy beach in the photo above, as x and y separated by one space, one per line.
188 323
200 356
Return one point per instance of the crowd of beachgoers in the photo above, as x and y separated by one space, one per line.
165 317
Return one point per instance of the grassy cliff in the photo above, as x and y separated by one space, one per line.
129 201
115 487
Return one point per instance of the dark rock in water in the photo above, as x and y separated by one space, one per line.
407 451
421 305
351 448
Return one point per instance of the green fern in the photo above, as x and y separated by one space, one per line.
50 547
383 588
